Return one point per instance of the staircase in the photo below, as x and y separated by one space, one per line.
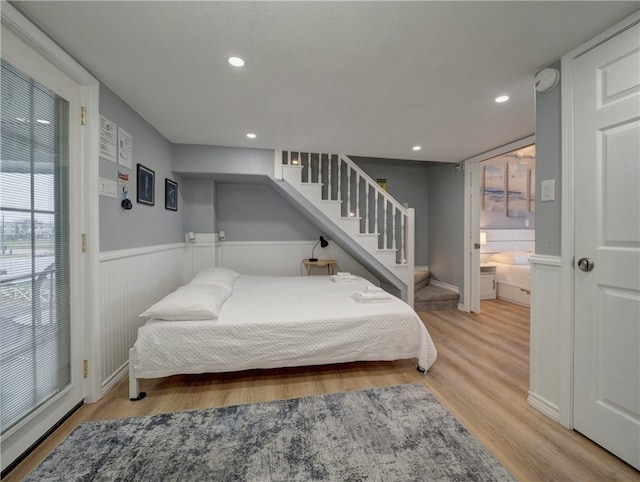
355 203
428 297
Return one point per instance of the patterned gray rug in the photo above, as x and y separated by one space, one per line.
398 433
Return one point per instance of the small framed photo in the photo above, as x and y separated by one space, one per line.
170 195
146 185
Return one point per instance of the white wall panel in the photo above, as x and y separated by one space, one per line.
545 391
130 281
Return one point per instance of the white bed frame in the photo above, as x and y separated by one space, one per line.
499 240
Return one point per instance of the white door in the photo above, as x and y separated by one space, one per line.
606 119
41 265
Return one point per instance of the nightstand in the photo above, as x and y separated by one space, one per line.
487 282
329 263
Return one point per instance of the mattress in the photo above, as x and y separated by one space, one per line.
271 322
518 275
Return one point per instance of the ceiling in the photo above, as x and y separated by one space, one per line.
369 79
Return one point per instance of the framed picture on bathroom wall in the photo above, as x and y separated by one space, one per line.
517 189
532 190
493 183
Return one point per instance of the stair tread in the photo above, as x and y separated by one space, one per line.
435 293
420 275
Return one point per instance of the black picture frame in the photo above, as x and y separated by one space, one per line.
146 185
170 195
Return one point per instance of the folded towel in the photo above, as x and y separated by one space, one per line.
344 279
374 289
371 297
343 273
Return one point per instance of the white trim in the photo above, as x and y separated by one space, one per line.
472 225
84 213
128 253
545 260
549 409
567 234
113 380
445 286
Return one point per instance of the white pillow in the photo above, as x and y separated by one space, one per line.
190 302
511 257
216 276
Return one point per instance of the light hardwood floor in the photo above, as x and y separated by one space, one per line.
481 376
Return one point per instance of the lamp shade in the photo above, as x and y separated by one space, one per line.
323 242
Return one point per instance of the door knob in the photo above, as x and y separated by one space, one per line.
585 264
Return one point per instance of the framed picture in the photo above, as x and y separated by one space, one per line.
146 185
382 183
517 189
170 195
493 188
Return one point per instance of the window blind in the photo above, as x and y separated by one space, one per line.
35 323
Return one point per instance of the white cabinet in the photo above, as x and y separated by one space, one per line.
487 282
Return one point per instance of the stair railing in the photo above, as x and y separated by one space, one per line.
361 197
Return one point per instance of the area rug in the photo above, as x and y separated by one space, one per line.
399 433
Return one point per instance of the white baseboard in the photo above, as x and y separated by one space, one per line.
544 406
113 380
446 286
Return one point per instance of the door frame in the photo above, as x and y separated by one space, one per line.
85 193
567 244
472 199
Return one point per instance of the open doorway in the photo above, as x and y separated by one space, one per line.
499 219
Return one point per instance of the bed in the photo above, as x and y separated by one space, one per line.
509 250
513 282
273 322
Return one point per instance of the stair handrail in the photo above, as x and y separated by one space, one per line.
373 183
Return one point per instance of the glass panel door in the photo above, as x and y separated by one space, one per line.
35 308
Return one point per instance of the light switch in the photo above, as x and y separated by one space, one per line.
548 190
107 188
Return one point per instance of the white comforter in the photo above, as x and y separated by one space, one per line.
271 322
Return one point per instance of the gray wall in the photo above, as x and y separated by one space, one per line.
199 205
255 212
143 225
548 166
446 221
219 160
407 181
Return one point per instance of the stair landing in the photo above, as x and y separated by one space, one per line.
431 298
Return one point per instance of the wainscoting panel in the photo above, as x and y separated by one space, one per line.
131 281
545 391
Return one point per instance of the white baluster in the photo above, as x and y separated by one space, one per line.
357 196
339 185
393 226
402 239
288 158
384 223
348 190
366 206
376 218
329 193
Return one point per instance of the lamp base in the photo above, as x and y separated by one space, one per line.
313 260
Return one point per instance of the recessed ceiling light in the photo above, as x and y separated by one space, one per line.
416 148
502 98
251 135
236 61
